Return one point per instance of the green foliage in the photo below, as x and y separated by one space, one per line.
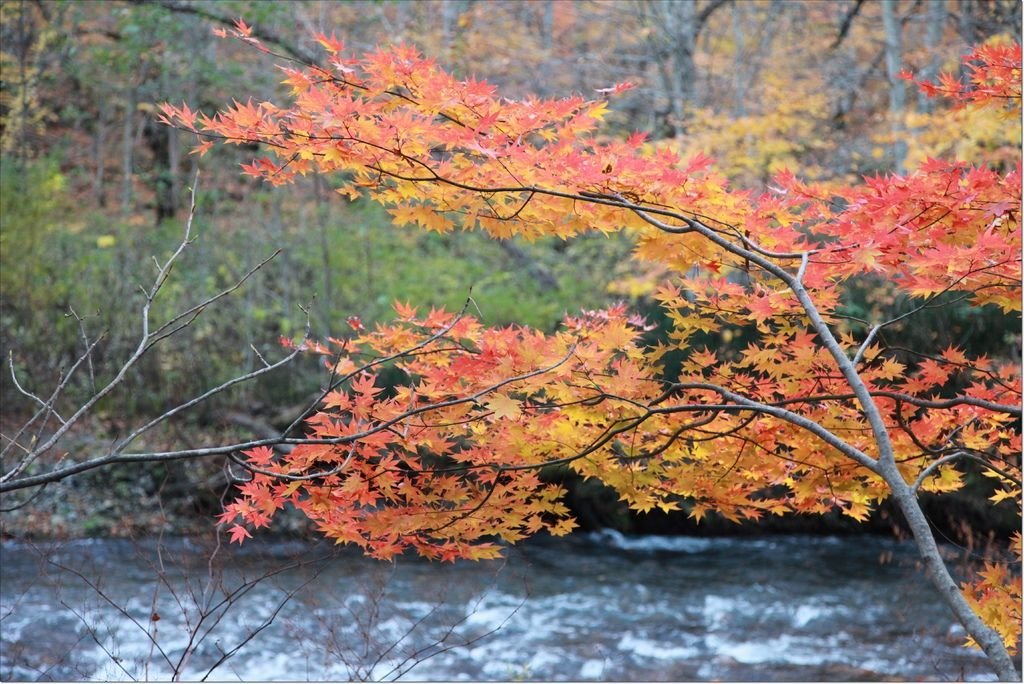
30 200
379 263
35 276
344 259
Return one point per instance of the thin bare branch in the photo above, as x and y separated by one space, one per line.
955 456
46 406
88 347
878 327
11 480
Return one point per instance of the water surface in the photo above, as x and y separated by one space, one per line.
590 607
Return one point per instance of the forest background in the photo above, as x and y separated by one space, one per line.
93 188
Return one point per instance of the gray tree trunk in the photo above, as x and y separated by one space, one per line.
547 29
935 24
322 208
128 151
935 569
99 157
449 21
674 45
897 87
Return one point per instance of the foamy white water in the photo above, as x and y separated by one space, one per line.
597 607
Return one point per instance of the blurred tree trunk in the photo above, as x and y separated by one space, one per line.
978 20
739 39
20 124
893 29
99 154
128 150
450 10
322 207
28 39
674 47
748 59
173 141
675 27
547 29
935 24
965 23
163 144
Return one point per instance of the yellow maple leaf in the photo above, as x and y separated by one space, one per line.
504 406
562 527
598 111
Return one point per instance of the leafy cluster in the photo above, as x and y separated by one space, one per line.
993 79
996 595
795 420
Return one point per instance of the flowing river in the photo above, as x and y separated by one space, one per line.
589 607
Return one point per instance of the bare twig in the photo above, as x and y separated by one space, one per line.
38 446
88 347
